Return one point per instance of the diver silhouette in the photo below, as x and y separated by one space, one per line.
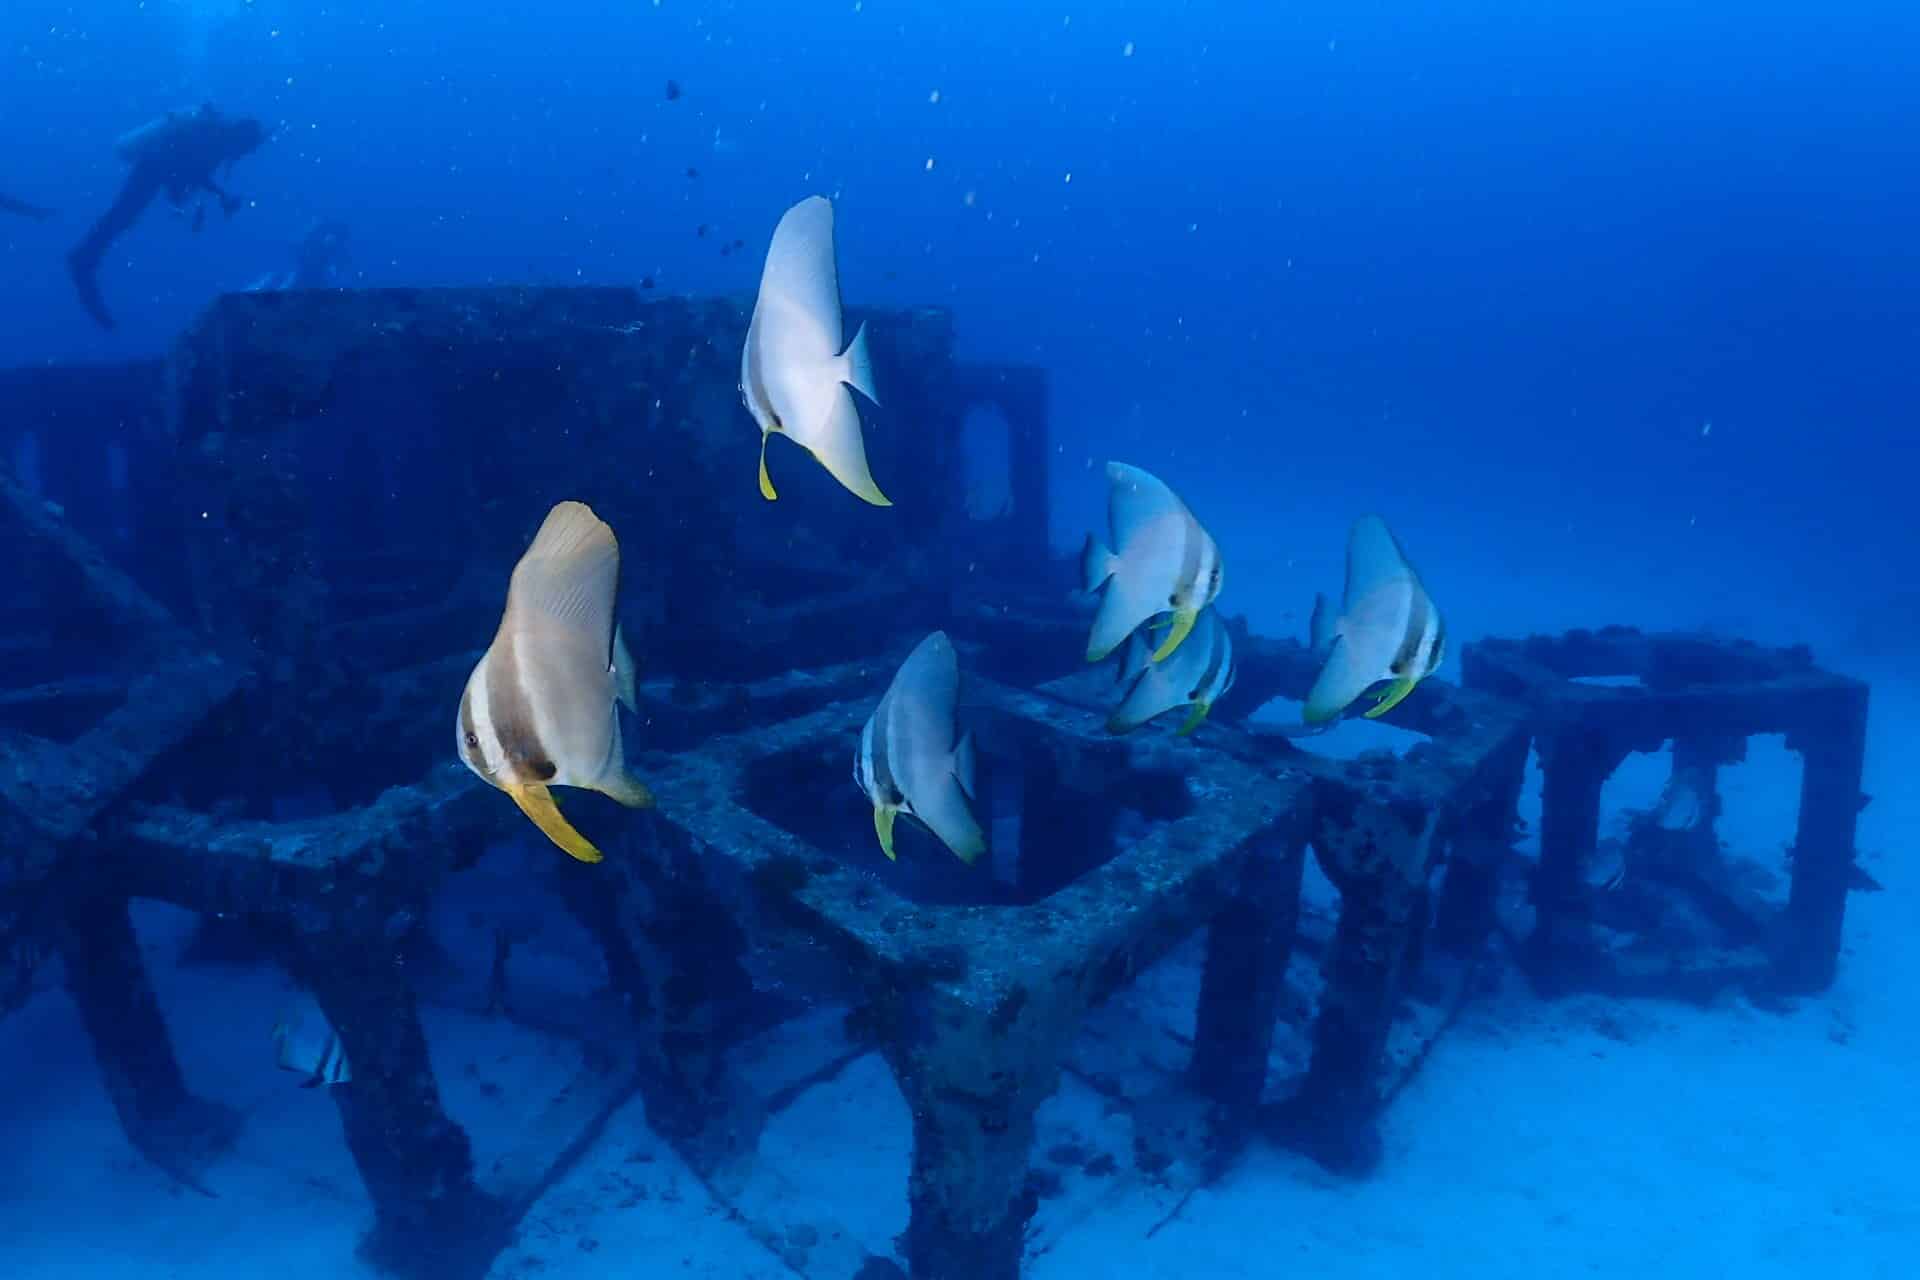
177 154
9 205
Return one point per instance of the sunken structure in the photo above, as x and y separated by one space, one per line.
285 579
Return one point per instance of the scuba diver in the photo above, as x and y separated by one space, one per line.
318 261
178 154
9 205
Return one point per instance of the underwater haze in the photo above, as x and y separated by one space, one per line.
1413 255
1610 310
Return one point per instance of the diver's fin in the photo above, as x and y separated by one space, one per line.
82 269
537 803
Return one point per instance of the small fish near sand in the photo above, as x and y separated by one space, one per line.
1161 559
306 1043
1388 628
912 757
796 379
1196 677
539 710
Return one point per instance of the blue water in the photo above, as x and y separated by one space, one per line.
1612 309
1413 255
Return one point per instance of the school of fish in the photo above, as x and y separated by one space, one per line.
541 708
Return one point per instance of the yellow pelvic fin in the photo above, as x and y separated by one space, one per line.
1194 718
1391 698
1183 620
766 481
537 803
883 827
628 790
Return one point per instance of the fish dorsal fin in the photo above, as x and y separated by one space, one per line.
930 680
558 625
1374 560
1136 499
800 273
570 573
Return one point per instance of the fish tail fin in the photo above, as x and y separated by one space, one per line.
1097 563
857 365
1320 629
624 675
965 764
843 452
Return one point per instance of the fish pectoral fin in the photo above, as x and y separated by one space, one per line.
883 816
537 803
1391 698
628 790
1183 620
1194 718
766 481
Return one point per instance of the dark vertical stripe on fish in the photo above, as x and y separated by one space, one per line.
1216 655
1419 613
1192 544
884 785
512 713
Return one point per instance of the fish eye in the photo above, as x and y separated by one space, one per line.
473 741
